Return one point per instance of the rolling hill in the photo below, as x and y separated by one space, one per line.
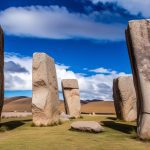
23 104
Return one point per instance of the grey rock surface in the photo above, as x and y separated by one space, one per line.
45 100
64 117
89 126
71 95
138 41
125 100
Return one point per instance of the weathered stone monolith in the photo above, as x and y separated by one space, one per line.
125 100
1 69
138 41
45 98
71 97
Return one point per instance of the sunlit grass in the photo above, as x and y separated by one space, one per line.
18 134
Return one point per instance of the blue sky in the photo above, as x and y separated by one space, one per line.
85 37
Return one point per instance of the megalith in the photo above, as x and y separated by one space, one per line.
71 95
1 69
125 100
138 41
45 99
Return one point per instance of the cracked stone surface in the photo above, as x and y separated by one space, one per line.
125 98
71 97
1 69
45 98
138 41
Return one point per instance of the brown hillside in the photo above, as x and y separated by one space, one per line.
19 105
99 107
8 100
22 104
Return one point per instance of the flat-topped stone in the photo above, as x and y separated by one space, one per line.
87 126
71 95
70 84
45 100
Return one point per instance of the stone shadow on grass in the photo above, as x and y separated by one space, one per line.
76 130
125 128
112 118
10 125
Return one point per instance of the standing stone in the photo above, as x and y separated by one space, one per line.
1 69
125 98
45 98
71 97
138 41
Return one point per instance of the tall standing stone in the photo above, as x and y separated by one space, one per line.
125 98
138 41
71 97
45 98
1 69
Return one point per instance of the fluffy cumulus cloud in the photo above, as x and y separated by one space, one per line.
103 70
18 72
97 86
56 22
10 66
132 6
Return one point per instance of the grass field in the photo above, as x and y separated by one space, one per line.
20 135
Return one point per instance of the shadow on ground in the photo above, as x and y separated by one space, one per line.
125 128
76 130
10 125
112 118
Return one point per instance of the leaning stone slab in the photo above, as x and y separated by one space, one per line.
138 41
71 97
125 100
45 98
87 126
1 70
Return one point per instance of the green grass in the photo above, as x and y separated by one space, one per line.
18 134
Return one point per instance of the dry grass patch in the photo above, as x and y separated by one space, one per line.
117 136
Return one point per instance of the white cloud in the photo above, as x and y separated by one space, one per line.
133 6
98 86
18 80
102 70
56 22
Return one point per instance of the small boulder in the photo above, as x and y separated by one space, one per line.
88 126
64 117
62 120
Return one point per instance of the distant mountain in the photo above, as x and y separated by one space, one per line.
19 104
8 100
88 101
